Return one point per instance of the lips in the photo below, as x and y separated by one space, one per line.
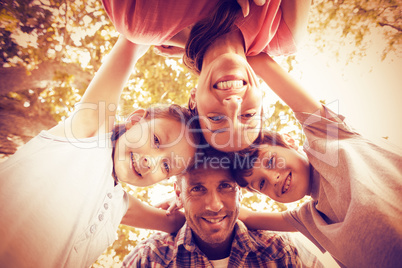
230 84
286 183
134 165
215 219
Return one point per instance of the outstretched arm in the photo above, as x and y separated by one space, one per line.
290 91
265 221
141 215
295 14
95 112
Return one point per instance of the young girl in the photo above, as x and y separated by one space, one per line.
355 184
60 193
217 38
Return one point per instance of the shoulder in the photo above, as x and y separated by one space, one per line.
156 250
274 246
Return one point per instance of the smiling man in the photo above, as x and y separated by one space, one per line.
213 236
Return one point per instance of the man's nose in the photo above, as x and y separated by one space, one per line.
213 201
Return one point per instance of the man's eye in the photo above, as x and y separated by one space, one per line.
197 189
156 141
216 118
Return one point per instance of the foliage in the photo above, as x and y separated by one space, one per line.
70 38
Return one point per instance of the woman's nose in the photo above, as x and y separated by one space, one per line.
233 102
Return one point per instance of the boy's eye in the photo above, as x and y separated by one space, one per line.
156 141
262 183
216 118
270 164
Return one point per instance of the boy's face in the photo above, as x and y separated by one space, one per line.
151 151
282 174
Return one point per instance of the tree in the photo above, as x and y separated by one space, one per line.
50 49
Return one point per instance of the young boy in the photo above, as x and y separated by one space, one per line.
356 185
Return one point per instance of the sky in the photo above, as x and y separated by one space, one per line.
367 92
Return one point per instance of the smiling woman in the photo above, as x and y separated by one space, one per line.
217 39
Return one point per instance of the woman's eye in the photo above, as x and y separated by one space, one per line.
216 118
262 183
248 116
156 141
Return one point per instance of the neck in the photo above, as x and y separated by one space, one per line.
231 42
215 251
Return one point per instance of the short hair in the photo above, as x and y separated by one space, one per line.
242 162
205 160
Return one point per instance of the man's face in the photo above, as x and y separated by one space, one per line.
211 201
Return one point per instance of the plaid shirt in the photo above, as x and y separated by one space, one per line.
249 249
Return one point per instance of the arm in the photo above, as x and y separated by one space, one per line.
295 14
265 221
96 110
141 215
290 91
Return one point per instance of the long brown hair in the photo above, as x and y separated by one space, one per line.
206 31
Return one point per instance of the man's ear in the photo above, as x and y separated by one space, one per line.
192 103
135 117
290 141
240 194
177 191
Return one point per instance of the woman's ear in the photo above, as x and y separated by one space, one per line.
135 117
192 103
290 141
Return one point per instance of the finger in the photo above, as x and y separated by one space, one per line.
245 7
260 2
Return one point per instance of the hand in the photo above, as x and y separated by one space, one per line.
170 205
169 51
245 5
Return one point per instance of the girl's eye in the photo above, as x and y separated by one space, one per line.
166 167
262 183
156 142
216 118
248 116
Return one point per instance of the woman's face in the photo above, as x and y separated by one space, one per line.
229 103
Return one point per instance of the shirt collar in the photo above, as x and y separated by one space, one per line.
241 242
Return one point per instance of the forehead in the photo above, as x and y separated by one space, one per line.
205 175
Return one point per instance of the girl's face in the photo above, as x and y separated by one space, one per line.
152 150
229 103
282 174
